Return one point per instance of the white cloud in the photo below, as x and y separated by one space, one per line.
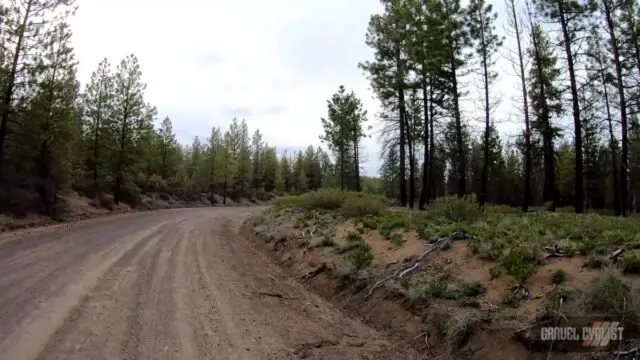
273 62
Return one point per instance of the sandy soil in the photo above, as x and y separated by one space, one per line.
171 284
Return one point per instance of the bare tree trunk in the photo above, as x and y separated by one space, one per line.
424 196
612 147
401 119
462 179
623 107
410 145
579 180
485 164
356 165
526 198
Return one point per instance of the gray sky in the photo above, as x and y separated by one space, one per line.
272 62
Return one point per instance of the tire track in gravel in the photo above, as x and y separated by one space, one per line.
34 332
213 339
153 322
186 321
102 323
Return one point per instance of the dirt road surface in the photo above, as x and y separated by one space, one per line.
171 284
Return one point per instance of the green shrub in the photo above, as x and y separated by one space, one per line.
323 199
495 272
348 247
351 204
396 239
130 194
353 236
615 237
491 209
370 222
437 288
470 302
609 295
558 297
519 262
457 331
597 262
326 242
458 209
630 263
359 206
257 220
558 277
432 286
473 289
391 220
360 256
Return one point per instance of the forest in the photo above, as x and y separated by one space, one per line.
104 138
578 68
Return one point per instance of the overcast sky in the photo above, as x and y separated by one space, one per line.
273 63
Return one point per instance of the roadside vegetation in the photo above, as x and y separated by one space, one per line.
495 264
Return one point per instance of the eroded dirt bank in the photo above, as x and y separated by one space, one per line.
172 284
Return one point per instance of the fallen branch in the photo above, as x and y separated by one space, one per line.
556 251
406 271
378 284
403 271
616 254
313 273
627 352
278 295
557 255
426 338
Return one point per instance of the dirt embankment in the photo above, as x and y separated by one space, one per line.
75 207
439 296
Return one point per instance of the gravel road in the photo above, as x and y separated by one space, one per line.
170 284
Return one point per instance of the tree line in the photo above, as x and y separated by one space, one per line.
578 69
102 138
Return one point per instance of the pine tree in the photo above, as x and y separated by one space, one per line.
285 172
481 19
257 170
609 10
129 110
50 124
601 79
213 164
342 133
167 149
243 168
546 100
456 41
388 34
26 26
271 175
97 105
570 15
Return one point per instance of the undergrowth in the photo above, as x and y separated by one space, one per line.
515 241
